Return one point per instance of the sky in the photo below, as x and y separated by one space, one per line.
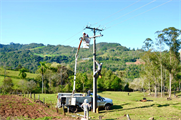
62 22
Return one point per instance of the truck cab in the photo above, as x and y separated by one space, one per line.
104 102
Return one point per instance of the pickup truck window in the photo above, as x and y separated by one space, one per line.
100 98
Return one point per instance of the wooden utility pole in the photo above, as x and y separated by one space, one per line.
94 69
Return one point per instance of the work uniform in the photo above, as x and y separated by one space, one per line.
98 69
86 107
86 40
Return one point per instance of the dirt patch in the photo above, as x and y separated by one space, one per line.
18 106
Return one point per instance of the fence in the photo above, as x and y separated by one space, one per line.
40 99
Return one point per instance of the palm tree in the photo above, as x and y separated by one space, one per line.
42 69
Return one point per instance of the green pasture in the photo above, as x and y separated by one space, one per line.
15 82
37 48
48 98
159 108
15 74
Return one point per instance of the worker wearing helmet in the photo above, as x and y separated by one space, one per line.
98 69
86 107
86 40
85 35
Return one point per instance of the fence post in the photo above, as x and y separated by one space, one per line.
44 100
100 117
34 97
30 95
63 109
68 109
38 97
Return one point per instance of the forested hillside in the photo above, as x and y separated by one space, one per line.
112 55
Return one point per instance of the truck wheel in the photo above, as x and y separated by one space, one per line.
73 109
107 107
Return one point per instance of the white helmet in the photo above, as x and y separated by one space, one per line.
85 101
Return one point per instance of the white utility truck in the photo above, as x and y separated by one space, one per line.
74 103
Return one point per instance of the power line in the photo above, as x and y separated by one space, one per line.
77 38
102 20
139 14
131 12
117 12
73 36
121 16
179 15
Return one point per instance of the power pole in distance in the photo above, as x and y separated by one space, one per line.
94 69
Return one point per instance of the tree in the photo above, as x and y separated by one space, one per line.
145 73
7 85
83 79
151 69
31 85
23 85
42 69
147 44
115 83
136 84
160 43
22 73
170 36
19 67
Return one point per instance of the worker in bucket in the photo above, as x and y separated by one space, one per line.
86 40
85 35
98 69
86 107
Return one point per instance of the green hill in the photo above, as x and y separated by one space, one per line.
112 55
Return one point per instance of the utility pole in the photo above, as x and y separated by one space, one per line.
94 69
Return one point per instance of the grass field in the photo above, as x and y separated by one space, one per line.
48 97
15 81
159 108
14 75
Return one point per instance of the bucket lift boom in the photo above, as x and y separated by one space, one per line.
76 57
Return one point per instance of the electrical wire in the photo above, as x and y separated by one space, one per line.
73 36
76 41
139 14
130 12
121 16
102 20
117 12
